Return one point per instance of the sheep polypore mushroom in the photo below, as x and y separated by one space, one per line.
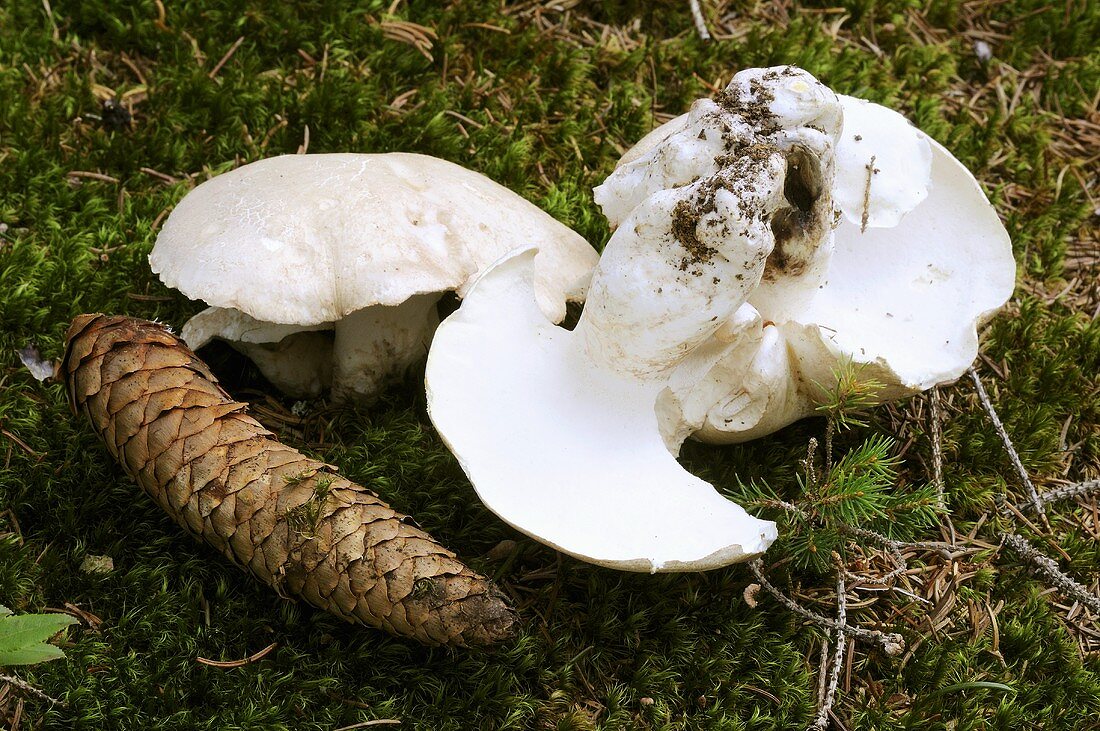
563 434
916 262
565 451
326 269
725 292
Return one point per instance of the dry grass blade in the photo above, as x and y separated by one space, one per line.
375 722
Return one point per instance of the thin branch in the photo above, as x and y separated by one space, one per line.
26 688
255 657
1067 492
225 59
1033 494
822 719
811 471
700 22
891 642
1048 569
937 448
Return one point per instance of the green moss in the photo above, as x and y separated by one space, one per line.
553 110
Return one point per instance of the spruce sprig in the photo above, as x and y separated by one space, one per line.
840 498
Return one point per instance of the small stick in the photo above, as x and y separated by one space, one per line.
1012 453
1048 569
225 59
822 719
91 176
891 642
822 671
700 22
867 196
937 448
26 688
239 663
375 722
163 177
1066 492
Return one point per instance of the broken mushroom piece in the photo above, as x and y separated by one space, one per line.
567 435
917 261
326 269
566 451
721 298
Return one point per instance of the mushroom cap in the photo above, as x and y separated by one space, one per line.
308 239
909 299
569 453
879 142
918 261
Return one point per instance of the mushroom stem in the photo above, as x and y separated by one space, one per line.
378 343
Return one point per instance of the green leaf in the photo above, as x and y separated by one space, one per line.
23 638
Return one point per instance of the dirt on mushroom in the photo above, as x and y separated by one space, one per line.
287 519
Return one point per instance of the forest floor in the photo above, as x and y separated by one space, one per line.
542 97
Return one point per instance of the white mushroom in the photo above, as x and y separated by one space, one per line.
917 262
565 451
721 297
289 248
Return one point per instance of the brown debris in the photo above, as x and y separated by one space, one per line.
289 520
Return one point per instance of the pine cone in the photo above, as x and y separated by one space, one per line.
289 520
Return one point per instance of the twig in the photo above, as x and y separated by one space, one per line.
811 471
865 218
822 719
23 445
937 448
891 642
26 688
163 177
1012 453
91 176
1048 569
822 671
1067 492
700 22
225 59
238 663
376 722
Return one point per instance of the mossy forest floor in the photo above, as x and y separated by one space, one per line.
542 97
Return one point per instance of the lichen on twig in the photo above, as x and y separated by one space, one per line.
1033 494
1049 570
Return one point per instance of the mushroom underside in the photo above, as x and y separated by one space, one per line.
902 305
566 452
354 357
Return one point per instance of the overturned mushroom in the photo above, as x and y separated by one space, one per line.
326 269
913 262
722 296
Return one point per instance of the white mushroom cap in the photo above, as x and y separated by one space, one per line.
308 240
918 262
879 143
565 451
902 305
571 436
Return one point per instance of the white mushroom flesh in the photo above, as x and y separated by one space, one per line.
566 452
